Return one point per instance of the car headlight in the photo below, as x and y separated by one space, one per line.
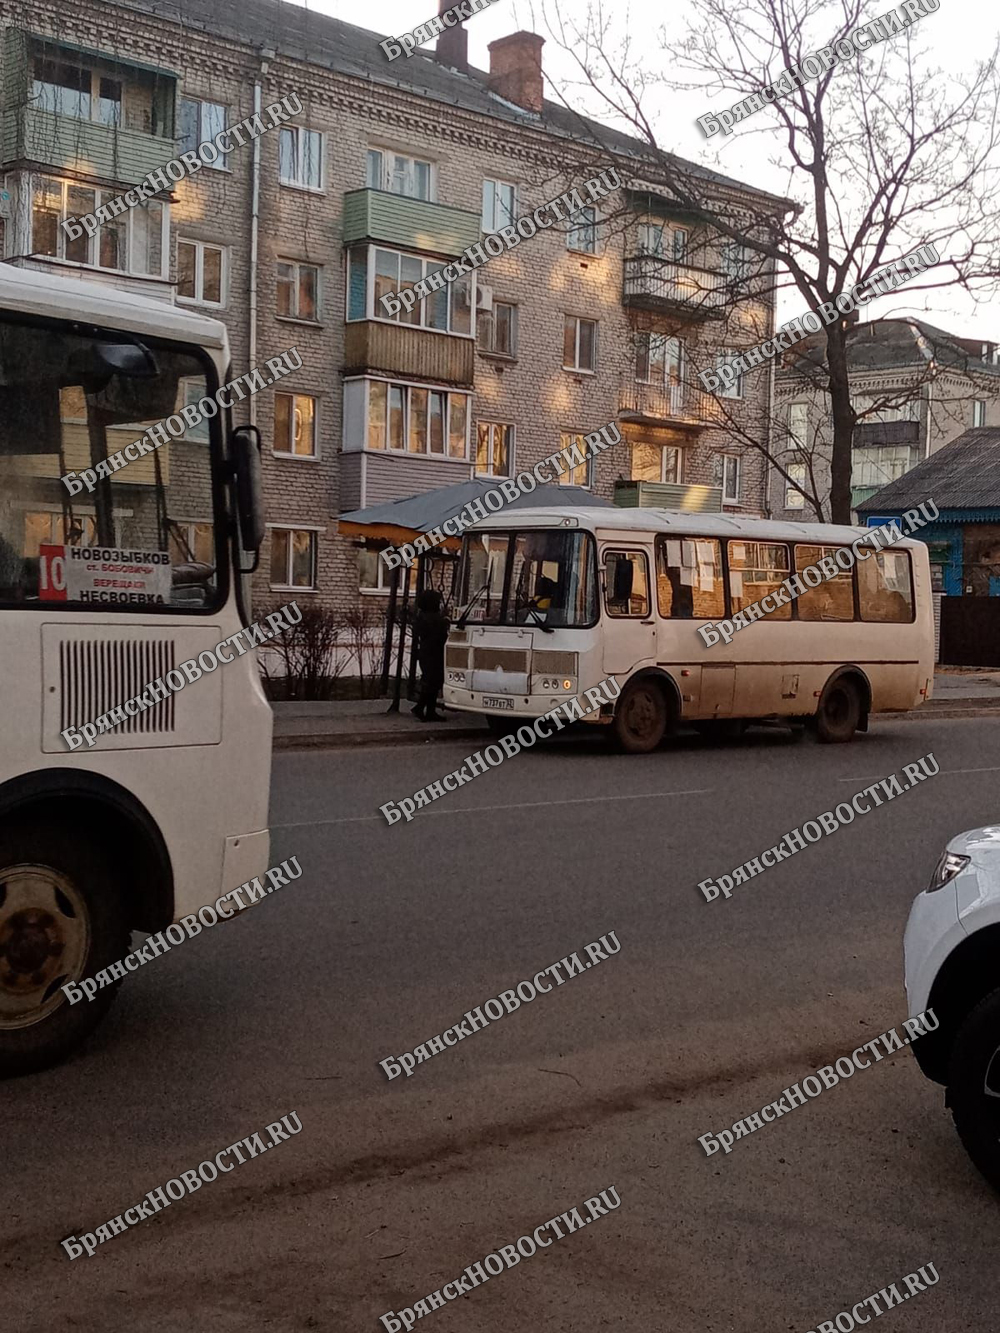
950 865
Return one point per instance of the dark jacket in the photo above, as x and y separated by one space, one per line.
431 631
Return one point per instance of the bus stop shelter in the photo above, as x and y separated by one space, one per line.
401 521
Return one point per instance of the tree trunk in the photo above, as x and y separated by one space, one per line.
843 424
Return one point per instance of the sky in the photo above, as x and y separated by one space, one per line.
958 34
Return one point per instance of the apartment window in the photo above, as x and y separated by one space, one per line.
300 158
69 89
298 290
794 498
582 234
663 241
410 176
582 473
579 344
49 527
494 448
659 359
201 272
879 464
374 575
655 462
191 394
734 390
197 123
133 242
730 478
293 558
499 204
798 426
497 330
409 418
757 569
737 261
295 425
978 412
192 543
374 272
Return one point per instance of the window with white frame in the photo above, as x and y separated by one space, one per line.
300 158
400 174
738 261
409 418
655 462
134 242
663 240
582 473
374 272
198 122
374 575
582 233
659 360
499 204
192 392
731 478
298 290
68 86
979 412
877 465
295 425
794 498
735 389
192 542
798 426
293 558
201 272
497 329
44 527
579 344
494 448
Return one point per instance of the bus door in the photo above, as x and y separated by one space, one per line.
629 626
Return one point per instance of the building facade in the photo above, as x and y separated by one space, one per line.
915 389
390 170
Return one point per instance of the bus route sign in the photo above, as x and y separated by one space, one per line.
103 575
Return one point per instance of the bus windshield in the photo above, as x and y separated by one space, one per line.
536 576
145 534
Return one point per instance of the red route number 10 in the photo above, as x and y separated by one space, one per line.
52 574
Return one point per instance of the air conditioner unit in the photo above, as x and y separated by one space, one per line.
484 299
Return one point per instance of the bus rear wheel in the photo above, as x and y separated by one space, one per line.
839 713
60 920
641 718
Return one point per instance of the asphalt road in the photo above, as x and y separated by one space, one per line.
707 1013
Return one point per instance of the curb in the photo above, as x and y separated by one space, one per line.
342 740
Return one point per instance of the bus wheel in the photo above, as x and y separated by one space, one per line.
974 1086
60 920
641 718
839 711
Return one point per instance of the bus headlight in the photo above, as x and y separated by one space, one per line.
567 684
456 677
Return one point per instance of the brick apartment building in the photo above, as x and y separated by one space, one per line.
391 169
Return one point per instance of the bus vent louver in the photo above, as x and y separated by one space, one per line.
499 659
96 675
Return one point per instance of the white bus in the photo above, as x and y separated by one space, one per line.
169 810
553 601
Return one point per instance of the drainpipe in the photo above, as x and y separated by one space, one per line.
266 56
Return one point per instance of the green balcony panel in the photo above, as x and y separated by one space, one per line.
408 224
65 143
668 495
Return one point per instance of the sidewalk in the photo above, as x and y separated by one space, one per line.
347 722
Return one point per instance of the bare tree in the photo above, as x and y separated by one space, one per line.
881 153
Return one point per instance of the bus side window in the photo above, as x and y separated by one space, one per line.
885 585
689 578
833 599
755 570
626 583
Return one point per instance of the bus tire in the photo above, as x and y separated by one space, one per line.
839 713
642 717
61 920
973 1089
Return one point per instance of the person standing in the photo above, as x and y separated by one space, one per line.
430 628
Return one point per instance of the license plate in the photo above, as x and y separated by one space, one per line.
497 701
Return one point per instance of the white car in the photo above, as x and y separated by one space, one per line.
952 950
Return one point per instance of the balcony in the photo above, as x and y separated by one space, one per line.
678 405
406 352
66 143
408 224
668 495
653 283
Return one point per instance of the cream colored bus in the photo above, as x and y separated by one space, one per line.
552 601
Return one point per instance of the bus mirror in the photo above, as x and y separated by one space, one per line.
623 580
249 492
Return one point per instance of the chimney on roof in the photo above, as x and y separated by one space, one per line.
453 44
516 69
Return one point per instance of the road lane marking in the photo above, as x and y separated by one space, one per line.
941 773
521 805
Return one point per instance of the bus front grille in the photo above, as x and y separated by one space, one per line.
457 657
96 675
546 663
500 659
